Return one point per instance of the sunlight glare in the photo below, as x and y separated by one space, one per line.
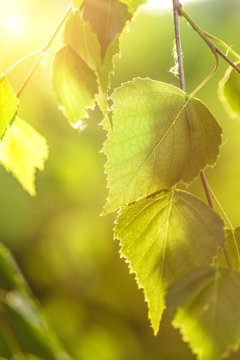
13 23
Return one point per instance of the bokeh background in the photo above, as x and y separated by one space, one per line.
64 248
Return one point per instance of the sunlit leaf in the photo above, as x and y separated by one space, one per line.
133 4
22 151
229 92
22 316
75 85
76 4
159 137
94 35
207 312
107 19
8 105
79 35
164 237
232 246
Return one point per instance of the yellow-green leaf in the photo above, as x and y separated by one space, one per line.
28 329
207 311
75 85
133 4
76 4
79 35
229 92
159 137
232 246
22 151
165 236
8 105
107 19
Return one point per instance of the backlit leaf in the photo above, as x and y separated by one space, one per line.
75 85
229 92
165 236
76 4
159 137
22 151
232 246
79 35
107 19
133 4
207 312
8 105
28 330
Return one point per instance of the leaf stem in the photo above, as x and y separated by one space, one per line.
203 35
20 60
43 51
177 10
223 44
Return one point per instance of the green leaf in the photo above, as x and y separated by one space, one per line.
76 4
8 105
22 151
107 19
229 92
133 4
207 312
75 85
94 35
159 137
79 35
232 246
26 326
104 73
165 236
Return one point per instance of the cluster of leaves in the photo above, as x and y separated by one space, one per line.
157 137
82 68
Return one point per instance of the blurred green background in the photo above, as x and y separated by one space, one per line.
64 248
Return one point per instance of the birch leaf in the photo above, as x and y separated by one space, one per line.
22 151
8 105
75 85
159 137
229 92
165 236
207 312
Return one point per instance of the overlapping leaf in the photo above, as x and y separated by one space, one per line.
8 105
229 92
79 35
232 246
75 85
76 4
164 237
207 312
22 315
94 32
107 19
133 4
22 151
159 137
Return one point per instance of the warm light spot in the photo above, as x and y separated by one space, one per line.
13 23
